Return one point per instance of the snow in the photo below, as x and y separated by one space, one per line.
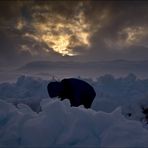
58 124
29 118
26 90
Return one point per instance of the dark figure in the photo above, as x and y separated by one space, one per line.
77 91
145 112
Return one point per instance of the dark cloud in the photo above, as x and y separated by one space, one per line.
107 29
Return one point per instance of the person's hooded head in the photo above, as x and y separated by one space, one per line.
54 89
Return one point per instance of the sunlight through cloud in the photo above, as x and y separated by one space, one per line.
62 35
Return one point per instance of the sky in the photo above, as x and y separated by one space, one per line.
72 30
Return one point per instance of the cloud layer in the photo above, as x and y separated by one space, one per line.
86 30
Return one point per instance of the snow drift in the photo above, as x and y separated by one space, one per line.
58 124
128 92
27 90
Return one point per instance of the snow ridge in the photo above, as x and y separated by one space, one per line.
60 125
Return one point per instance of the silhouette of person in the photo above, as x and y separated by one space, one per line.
77 91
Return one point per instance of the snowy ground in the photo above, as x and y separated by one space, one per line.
117 117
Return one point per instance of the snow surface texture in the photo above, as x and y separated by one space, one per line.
60 125
27 90
128 92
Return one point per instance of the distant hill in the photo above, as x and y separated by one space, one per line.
46 65
113 65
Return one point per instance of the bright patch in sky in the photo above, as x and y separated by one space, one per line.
127 37
60 34
134 34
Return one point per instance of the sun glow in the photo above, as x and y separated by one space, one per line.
63 39
58 43
62 35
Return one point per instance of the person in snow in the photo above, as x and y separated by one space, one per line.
77 91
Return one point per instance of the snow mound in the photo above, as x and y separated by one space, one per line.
58 124
128 92
27 90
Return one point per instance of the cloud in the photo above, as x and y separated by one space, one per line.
86 30
58 30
